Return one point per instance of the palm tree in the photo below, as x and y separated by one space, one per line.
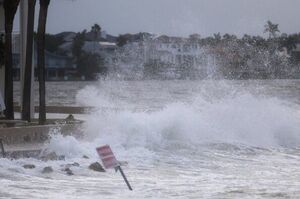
272 29
10 8
96 30
41 58
28 63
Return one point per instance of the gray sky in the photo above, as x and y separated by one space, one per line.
174 17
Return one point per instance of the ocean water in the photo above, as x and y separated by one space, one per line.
181 139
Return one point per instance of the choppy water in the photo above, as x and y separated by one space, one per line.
182 139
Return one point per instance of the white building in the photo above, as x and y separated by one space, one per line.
102 48
167 57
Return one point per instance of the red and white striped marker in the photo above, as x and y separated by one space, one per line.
109 161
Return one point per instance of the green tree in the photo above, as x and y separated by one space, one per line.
123 39
90 64
289 42
53 42
41 58
77 45
228 37
10 9
96 30
271 29
217 37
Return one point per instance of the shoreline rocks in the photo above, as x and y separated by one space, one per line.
75 164
68 171
47 170
28 166
96 166
52 156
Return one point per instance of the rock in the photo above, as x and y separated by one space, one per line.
75 164
61 157
47 170
69 171
49 156
70 118
29 166
96 167
85 157
52 156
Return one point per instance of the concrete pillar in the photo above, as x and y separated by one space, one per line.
2 30
23 36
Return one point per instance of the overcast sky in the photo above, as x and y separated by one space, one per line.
174 17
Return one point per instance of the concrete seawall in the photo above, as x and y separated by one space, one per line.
22 139
28 141
36 134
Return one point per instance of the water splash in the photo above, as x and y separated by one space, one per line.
242 119
219 113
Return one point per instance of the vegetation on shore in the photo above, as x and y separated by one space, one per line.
275 56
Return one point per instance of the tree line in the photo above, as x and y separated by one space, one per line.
238 57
